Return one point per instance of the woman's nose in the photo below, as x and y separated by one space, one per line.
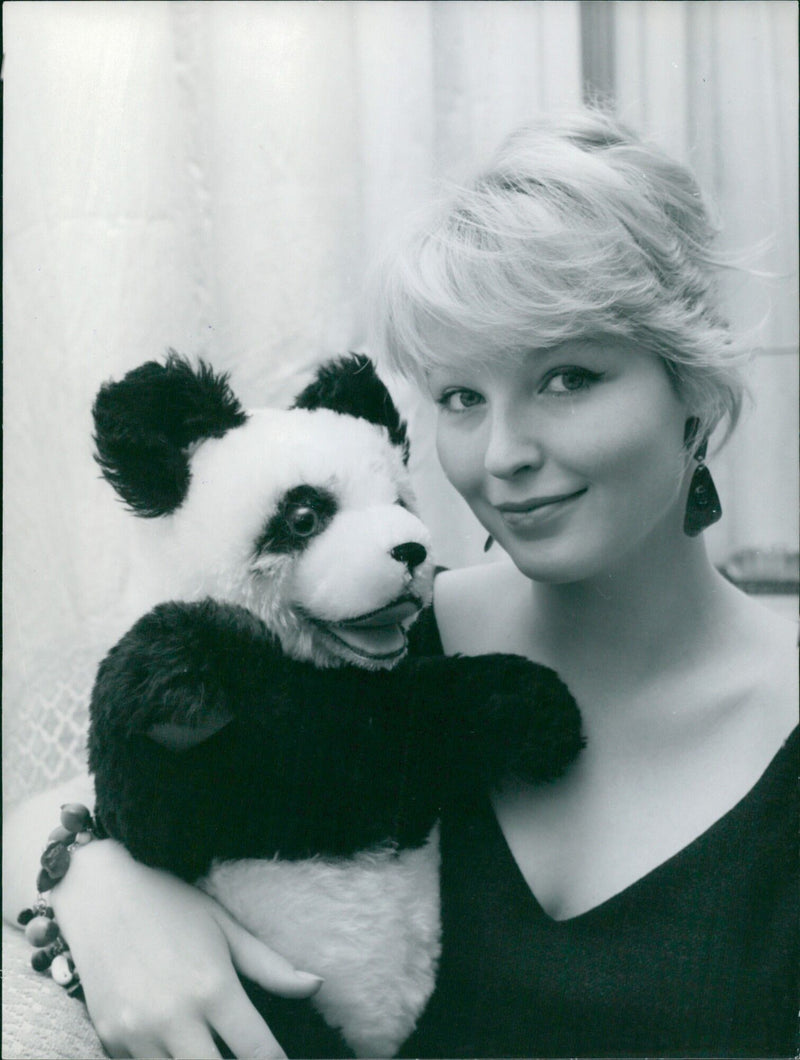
511 446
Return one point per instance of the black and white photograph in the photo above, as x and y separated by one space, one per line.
400 529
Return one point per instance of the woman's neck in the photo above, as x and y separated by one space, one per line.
657 608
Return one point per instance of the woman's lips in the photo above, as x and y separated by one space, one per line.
530 513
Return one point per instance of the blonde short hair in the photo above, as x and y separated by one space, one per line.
577 228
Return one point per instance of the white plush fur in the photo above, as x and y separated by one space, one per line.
206 547
369 925
365 576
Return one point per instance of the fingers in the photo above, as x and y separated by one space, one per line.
116 1052
188 1043
244 1031
183 1037
194 1043
188 1002
258 962
151 1051
138 1049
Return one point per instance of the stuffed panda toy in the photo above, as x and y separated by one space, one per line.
266 733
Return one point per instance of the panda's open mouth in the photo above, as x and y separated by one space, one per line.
379 634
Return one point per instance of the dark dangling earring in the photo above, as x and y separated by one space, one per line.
703 507
489 543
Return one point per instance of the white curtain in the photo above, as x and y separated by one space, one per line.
216 177
716 85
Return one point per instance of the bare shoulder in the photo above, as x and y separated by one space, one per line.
475 605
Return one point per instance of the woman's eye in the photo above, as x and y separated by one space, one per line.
303 520
569 381
460 400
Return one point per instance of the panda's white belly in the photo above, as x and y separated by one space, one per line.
368 925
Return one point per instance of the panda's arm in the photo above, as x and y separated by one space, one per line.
485 716
182 670
170 684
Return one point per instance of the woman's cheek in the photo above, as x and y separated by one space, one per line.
642 470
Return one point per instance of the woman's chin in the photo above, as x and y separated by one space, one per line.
553 565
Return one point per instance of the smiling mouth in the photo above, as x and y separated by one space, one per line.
521 512
376 635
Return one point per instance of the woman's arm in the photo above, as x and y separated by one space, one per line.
156 956
25 832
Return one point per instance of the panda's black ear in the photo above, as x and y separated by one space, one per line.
351 385
146 423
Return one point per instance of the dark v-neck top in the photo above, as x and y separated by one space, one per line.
699 958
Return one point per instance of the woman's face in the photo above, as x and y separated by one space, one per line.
570 457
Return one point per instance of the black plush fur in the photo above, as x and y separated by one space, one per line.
145 424
313 762
351 386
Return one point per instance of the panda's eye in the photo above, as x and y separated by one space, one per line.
302 519
299 516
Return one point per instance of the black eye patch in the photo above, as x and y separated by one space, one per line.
302 514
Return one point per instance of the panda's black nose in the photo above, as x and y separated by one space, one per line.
411 553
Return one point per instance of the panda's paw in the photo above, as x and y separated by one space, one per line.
530 725
177 737
542 746
175 669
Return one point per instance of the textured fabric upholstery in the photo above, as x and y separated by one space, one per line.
40 1020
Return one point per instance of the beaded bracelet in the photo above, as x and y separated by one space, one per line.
41 930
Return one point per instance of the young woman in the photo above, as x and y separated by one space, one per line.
561 311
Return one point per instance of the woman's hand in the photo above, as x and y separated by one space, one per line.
157 959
